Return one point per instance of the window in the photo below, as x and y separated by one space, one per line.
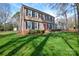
35 25
50 18
42 16
29 13
26 12
39 15
33 14
52 26
29 25
32 25
45 17
36 14
49 26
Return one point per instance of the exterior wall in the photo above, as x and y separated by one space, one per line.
22 28
41 27
40 19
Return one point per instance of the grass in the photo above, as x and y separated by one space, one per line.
51 44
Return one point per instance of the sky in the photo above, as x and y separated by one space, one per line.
39 6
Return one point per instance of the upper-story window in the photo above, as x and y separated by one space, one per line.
29 13
47 17
39 15
26 12
33 13
50 18
36 14
43 17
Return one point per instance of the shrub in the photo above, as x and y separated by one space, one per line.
36 31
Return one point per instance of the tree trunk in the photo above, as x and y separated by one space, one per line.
77 5
75 17
66 21
4 26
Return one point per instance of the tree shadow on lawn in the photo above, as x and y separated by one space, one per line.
39 48
70 46
19 47
65 39
5 35
12 41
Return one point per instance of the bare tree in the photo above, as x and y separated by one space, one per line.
15 19
5 13
62 10
77 5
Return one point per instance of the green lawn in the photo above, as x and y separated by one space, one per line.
51 44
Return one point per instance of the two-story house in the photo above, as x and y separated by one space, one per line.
33 19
